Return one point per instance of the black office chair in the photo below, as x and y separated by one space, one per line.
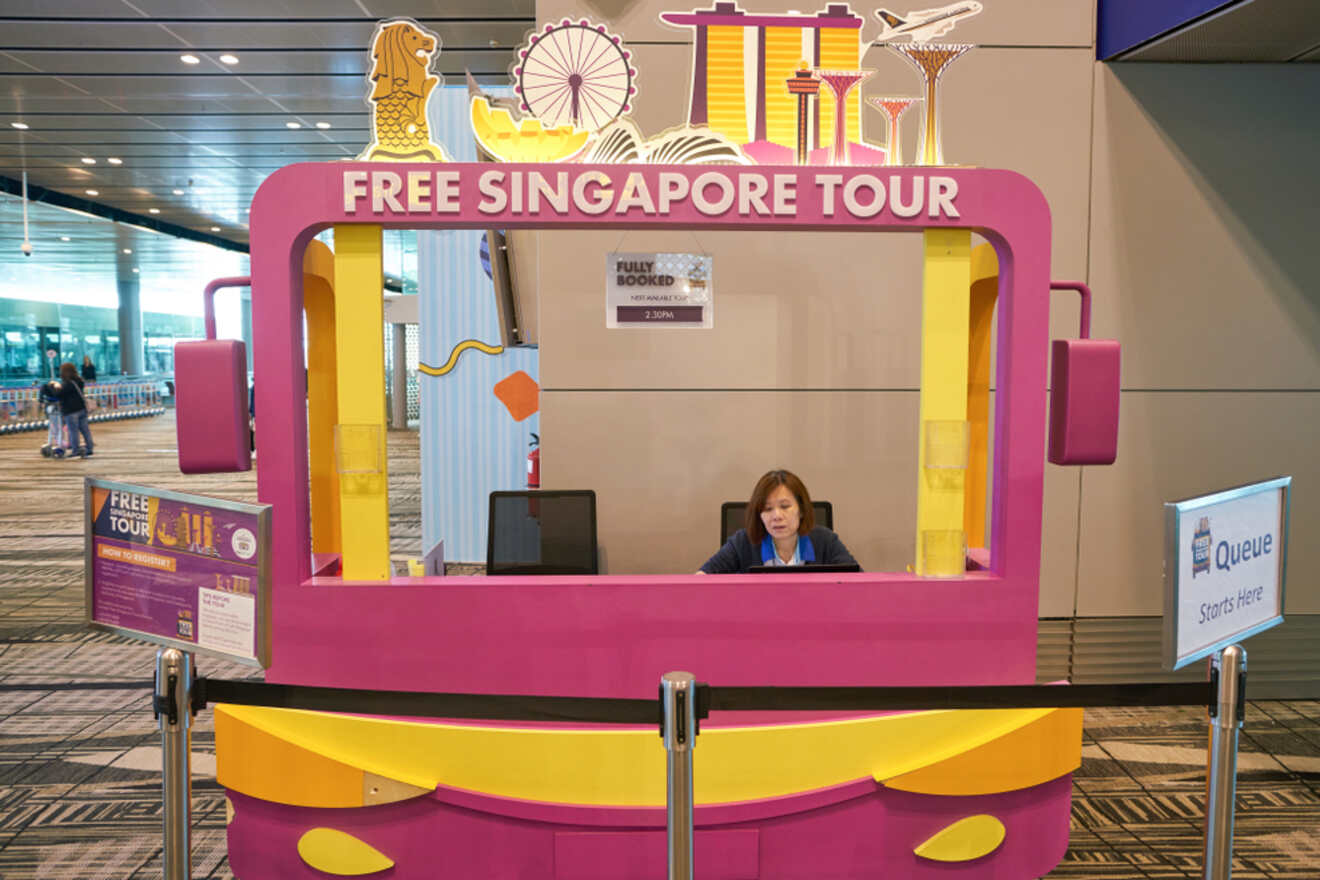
733 516
542 531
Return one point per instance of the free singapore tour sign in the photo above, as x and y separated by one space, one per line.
651 193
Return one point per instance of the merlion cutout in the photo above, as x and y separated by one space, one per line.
401 84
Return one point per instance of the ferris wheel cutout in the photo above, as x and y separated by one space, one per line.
575 73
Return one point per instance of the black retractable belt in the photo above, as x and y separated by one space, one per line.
607 710
491 707
768 699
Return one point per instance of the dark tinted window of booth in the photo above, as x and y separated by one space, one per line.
542 532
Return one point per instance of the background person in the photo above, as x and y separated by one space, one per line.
73 406
88 369
780 530
50 402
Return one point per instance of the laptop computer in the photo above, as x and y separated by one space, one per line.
832 568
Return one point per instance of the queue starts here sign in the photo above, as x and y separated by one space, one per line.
1223 569
659 290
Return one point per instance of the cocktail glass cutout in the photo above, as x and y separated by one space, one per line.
841 83
931 59
893 108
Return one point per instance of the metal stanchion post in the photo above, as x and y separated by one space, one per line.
679 694
1221 774
173 704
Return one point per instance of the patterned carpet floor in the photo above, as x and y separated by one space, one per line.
80 757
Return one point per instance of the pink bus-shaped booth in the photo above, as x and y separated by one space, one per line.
799 797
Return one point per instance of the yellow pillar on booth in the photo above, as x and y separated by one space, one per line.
360 432
985 291
943 438
322 396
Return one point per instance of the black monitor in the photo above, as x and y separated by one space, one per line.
733 516
550 531
810 568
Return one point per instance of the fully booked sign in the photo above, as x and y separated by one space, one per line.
179 570
669 290
1224 568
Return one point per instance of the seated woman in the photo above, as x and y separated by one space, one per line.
781 530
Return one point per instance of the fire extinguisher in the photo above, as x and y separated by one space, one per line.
534 463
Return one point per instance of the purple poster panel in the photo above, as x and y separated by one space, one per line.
177 569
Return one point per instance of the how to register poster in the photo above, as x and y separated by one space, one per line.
179 570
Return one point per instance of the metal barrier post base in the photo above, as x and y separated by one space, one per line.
173 705
1221 776
679 696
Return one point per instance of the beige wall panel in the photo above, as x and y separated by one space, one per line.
1026 110
843 311
662 88
1012 22
792 310
663 463
1201 233
1176 445
1058 539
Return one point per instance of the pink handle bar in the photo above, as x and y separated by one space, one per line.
1085 291
208 298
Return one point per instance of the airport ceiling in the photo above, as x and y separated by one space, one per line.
120 124
1268 31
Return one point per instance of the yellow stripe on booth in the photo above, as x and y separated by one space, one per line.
1037 752
942 445
322 395
984 291
360 432
268 753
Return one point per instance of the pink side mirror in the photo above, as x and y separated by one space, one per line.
210 404
1084 385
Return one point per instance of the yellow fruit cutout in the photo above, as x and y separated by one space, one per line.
527 140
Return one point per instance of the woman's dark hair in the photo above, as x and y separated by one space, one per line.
68 372
767 484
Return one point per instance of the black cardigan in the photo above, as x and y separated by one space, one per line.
739 554
71 397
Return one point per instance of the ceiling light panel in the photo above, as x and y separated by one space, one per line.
170 122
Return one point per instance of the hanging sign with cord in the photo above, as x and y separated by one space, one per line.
659 290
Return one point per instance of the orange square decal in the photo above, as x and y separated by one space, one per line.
520 394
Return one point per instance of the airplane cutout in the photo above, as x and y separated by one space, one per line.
923 25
